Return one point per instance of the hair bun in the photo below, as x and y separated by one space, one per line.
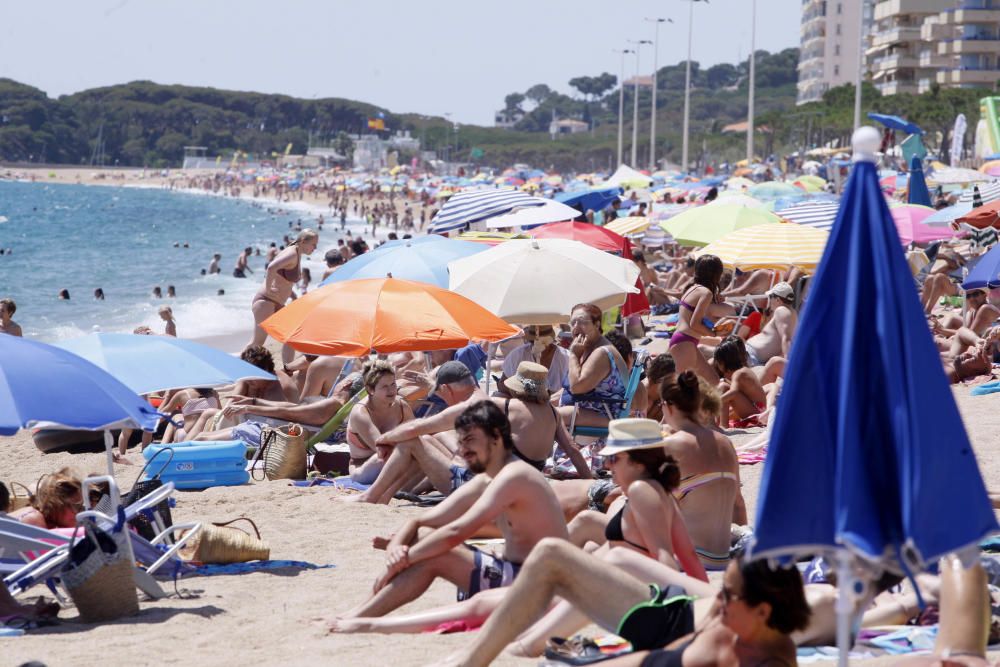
688 380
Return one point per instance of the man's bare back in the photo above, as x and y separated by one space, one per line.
767 343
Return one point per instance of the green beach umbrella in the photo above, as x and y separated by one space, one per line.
704 224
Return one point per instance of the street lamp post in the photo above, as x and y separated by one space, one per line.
687 88
635 101
860 74
621 103
753 63
652 117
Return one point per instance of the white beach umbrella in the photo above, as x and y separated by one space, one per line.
537 281
550 211
957 175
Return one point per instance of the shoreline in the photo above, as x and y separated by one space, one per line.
228 335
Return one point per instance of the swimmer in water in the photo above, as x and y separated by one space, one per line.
64 295
99 294
167 315
157 292
171 292
7 325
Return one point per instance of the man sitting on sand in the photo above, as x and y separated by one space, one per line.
429 446
506 492
7 325
775 339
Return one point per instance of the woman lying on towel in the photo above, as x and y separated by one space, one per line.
644 521
382 410
56 502
709 493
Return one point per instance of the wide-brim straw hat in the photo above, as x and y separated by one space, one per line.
531 380
635 433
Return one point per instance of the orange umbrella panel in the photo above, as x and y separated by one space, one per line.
356 317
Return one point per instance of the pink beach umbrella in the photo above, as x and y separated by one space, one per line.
909 223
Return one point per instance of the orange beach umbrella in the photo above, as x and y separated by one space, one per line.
356 317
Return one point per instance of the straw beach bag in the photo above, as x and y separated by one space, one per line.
99 575
220 543
19 501
283 451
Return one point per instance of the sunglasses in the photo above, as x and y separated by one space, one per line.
612 458
727 595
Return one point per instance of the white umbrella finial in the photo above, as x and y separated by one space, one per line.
866 141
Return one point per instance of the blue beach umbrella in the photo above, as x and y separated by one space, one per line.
917 192
43 383
895 123
986 273
946 216
594 199
423 259
157 363
868 460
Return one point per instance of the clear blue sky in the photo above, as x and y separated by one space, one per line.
429 57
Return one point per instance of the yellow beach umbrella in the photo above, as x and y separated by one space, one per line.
811 183
632 224
703 224
739 182
770 246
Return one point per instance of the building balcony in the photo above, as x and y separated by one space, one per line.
887 8
897 87
958 47
897 61
969 77
966 16
936 32
932 60
896 35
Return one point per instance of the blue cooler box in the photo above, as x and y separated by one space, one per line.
199 465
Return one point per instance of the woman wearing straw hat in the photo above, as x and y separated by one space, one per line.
537 418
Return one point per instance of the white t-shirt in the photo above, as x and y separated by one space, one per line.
558 372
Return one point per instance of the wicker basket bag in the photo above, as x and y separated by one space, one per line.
220 543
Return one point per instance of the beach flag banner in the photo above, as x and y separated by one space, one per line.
288 149
464 208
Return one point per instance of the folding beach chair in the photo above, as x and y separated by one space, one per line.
153 555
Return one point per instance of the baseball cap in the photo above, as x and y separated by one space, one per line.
782 290
449 372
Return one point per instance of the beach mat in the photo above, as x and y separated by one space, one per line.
339 482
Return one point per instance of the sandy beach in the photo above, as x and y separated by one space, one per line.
265 618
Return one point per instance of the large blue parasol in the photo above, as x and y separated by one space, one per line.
868 459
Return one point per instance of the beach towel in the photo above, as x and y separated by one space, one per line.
983 389
257 566
752 457
813 654
339 482
908 639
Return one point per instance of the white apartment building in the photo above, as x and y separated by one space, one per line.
829 49
961 44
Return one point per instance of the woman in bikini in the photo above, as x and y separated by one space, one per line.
282 273
55 504
379 412
693 322
596 369
709 492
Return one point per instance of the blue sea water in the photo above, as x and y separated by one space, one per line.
121 239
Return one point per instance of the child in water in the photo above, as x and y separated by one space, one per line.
167 315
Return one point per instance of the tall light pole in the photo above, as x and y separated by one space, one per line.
652 114
860 74
753 67
635 101
687 88
621 103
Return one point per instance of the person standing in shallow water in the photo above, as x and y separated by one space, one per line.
284 271
242 264
7 325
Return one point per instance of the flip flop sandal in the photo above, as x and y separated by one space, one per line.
577 651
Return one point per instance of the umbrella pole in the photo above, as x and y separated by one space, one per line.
109 446
845 606
489 365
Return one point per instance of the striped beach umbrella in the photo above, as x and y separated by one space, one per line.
632 224
987 192
770 246
704 224
818 214
465 208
